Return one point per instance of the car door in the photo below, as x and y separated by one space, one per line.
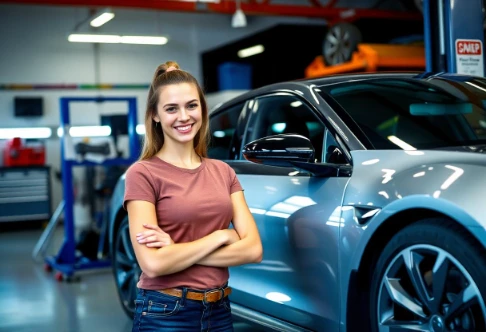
298 217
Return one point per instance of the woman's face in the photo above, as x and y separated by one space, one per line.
179 112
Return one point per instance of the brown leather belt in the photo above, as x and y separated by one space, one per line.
213 295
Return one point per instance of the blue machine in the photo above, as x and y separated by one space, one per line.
454 36
67 262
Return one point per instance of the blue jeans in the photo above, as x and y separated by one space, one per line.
155 311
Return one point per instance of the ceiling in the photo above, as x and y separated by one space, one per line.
331 10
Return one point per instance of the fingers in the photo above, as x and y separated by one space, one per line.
146 239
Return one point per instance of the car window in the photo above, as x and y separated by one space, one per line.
413 114
286 114
222 127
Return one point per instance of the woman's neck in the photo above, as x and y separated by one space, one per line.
182 155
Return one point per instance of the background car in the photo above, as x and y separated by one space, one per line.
368 192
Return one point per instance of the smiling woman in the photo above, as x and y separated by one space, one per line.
180 205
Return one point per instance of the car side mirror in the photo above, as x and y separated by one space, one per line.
280 150
291 150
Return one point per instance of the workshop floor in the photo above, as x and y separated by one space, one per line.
32 300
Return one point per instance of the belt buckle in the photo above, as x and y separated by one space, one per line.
213 291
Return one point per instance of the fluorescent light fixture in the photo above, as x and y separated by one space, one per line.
404 145
143 40
140 129
86 131
239 19
246 52
88 38
102 18
296 103
41 132
115 39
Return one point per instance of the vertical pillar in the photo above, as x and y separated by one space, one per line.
454 36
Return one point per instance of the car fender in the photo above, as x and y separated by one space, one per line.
412 202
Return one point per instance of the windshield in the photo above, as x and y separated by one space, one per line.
410 114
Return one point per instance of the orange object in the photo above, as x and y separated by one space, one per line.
372 58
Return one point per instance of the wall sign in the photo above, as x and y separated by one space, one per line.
469 57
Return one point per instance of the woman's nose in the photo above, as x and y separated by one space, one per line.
184 115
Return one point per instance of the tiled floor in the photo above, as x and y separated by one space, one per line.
31 299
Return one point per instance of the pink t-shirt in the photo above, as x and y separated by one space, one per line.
190 204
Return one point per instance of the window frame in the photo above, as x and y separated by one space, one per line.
318 115
234 152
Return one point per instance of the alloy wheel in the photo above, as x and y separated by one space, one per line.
340 42
425 288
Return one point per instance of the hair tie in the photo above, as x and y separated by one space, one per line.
171 68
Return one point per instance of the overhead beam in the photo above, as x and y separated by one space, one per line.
229 7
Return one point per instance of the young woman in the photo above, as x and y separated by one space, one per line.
180 205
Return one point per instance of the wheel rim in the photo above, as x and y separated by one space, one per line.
426 289
337 46
127 271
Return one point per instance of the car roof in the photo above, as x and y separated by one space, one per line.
321 81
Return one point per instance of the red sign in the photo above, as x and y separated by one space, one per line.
468 47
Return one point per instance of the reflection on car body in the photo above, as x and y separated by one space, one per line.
368 193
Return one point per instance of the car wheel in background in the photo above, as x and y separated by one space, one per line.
125 268
430 277
340 42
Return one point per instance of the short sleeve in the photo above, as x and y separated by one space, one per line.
235 184
139 185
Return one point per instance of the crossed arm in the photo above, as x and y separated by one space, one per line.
158 255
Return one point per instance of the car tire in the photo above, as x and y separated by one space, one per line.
125 268
340 42
430 277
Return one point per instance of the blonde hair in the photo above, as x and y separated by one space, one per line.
154 137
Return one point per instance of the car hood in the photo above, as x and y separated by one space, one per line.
466 148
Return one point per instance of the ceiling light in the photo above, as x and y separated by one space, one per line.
115 39
140 129
86 131
239 19
246 52
41 132
101 18
144 40
86 38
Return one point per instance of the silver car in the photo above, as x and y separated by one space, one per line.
369 194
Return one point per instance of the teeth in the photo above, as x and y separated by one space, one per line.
184 128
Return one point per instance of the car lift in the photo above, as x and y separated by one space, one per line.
66 262
453 39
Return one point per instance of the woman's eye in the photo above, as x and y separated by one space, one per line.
192 105
170 109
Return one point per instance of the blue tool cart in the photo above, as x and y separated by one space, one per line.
68 260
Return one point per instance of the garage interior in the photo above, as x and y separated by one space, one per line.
44 76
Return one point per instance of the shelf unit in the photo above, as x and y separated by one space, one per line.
67 262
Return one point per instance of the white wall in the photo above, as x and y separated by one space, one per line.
35 50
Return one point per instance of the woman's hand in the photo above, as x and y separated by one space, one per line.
155 237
